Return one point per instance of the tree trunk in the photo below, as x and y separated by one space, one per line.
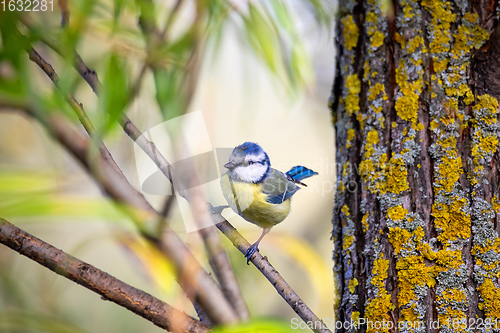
415 225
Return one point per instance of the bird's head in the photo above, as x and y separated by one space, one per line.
248 162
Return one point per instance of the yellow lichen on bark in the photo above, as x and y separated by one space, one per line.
353 86
379 307
351 32
452 220
490 300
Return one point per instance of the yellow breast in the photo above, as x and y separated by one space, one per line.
248 201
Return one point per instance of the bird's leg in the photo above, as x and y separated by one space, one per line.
255 246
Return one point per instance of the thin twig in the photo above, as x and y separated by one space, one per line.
77 107
170 20
100 282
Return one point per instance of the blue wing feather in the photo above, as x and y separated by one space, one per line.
300 172
277 199
280 187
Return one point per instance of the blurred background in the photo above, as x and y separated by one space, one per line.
256 70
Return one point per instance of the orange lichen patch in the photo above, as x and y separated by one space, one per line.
488 267
468 35
487 144
450 170
364 222
371 17
412 272
397 176
397 213
398 238
377 39
372 167
375 90
352 285
350 137
407 105
400 39
452 221
493 245
409 318
489 103
351 32
453 294
490 296
372 138
345 210
378 308
421 245
461 90
450 314
495 204
353 86
449 259
355 317
346 169
442 17
415 43
347 242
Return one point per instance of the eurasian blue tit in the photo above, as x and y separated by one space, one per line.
257 192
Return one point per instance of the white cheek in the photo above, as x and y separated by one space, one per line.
251 173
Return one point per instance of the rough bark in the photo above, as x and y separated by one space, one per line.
414 104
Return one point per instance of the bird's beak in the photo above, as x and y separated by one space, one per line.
229 165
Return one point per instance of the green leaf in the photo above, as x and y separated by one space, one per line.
117 12
262 37
283 17
114 94
30 193
12 45
168 92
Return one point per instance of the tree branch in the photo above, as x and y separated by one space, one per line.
100 282
273 276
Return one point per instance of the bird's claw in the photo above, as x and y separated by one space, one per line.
251 250
217 209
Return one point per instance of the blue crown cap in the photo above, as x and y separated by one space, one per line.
250 148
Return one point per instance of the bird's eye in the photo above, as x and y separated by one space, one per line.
250 162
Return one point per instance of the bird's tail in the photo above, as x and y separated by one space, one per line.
299 172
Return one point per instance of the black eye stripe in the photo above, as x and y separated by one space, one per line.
253 162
